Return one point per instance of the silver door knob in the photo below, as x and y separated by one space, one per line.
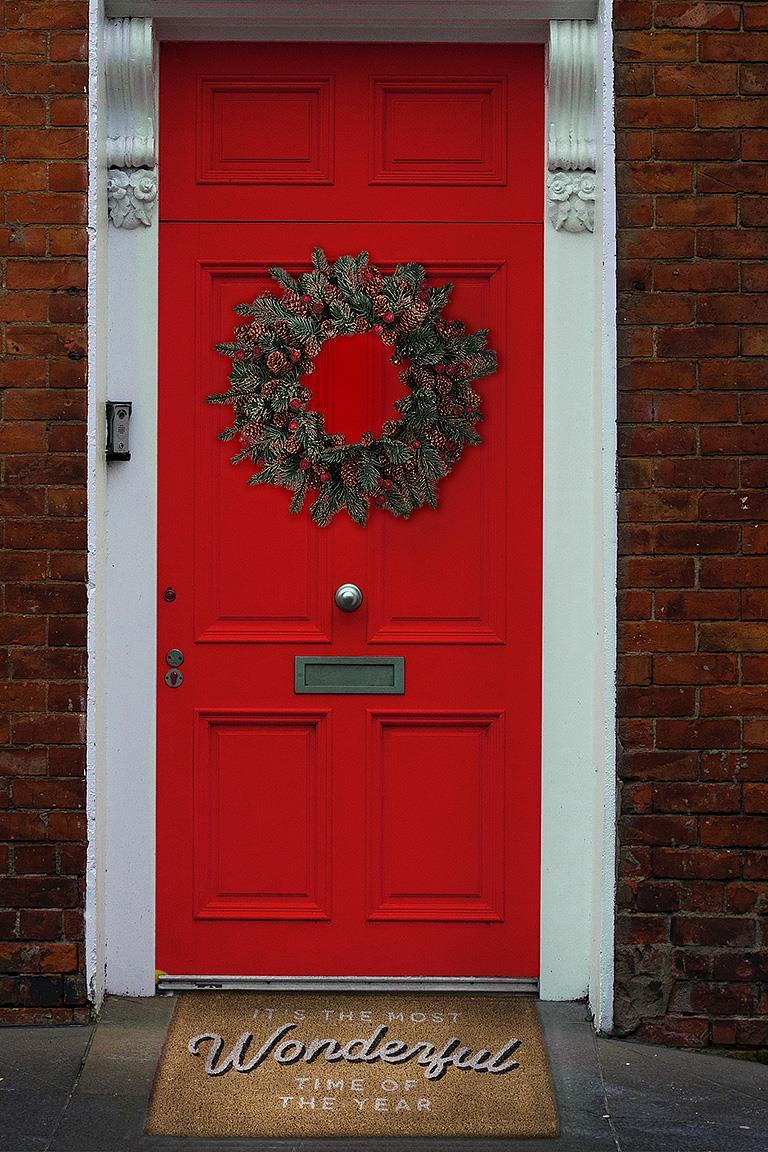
348 597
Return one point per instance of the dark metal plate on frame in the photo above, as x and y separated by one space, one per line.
350 675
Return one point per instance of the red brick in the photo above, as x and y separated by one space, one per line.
753 79
734 440
683 734
745 505
48 78
68 46
734 636
697 210
734 374
655 701
695 472
686 342
699 863
669 111
705 145
694 669
734 831
754 146
700 408
655 176
696 79
697 15
46 143
754 342
679 46
747 46
736 700
715 931
755 668
659 829
754 603
731 178
47 207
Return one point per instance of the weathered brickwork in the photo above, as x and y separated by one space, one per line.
42 508
692 127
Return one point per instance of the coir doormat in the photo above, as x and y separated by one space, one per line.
294 1064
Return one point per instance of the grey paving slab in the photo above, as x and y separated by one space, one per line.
30 1057
29 1119
665 1098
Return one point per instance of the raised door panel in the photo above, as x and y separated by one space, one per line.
412 144
436 826
261 846
244 589
265 130
422 589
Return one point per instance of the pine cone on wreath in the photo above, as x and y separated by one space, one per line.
412 317
292 301
380 305
292 445
338 441
388 336
281 327
437 440
277 363
391 427
366 439
280 420
312 346
361 324
256 331
349 473
268 389
329 329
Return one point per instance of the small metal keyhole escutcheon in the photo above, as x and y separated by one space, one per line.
348 597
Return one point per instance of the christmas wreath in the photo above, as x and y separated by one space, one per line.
274 351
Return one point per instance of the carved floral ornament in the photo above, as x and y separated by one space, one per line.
571 197
130 145
571 152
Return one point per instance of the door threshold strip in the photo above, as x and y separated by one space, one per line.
526 985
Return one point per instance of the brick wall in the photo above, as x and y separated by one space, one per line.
42 506
692 109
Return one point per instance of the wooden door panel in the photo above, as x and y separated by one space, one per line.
369 133
437 816
261 846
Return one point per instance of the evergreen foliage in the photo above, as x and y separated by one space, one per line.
275 349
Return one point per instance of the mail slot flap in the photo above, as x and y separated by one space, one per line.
350 675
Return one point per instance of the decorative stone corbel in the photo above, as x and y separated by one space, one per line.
131 157
571 151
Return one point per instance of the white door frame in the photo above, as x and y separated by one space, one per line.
578 760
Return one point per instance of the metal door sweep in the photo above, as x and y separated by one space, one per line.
525 985
350 675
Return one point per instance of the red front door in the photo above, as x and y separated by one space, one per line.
365 834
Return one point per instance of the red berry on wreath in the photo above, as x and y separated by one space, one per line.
304 465
239 355
378 329
318 308
386 485
325 476
294 355
306 299
439 368
414 444
295 403
293 425
388 317
450 370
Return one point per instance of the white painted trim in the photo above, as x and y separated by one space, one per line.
480 21
95 958
579 622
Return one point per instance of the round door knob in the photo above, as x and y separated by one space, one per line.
348 597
